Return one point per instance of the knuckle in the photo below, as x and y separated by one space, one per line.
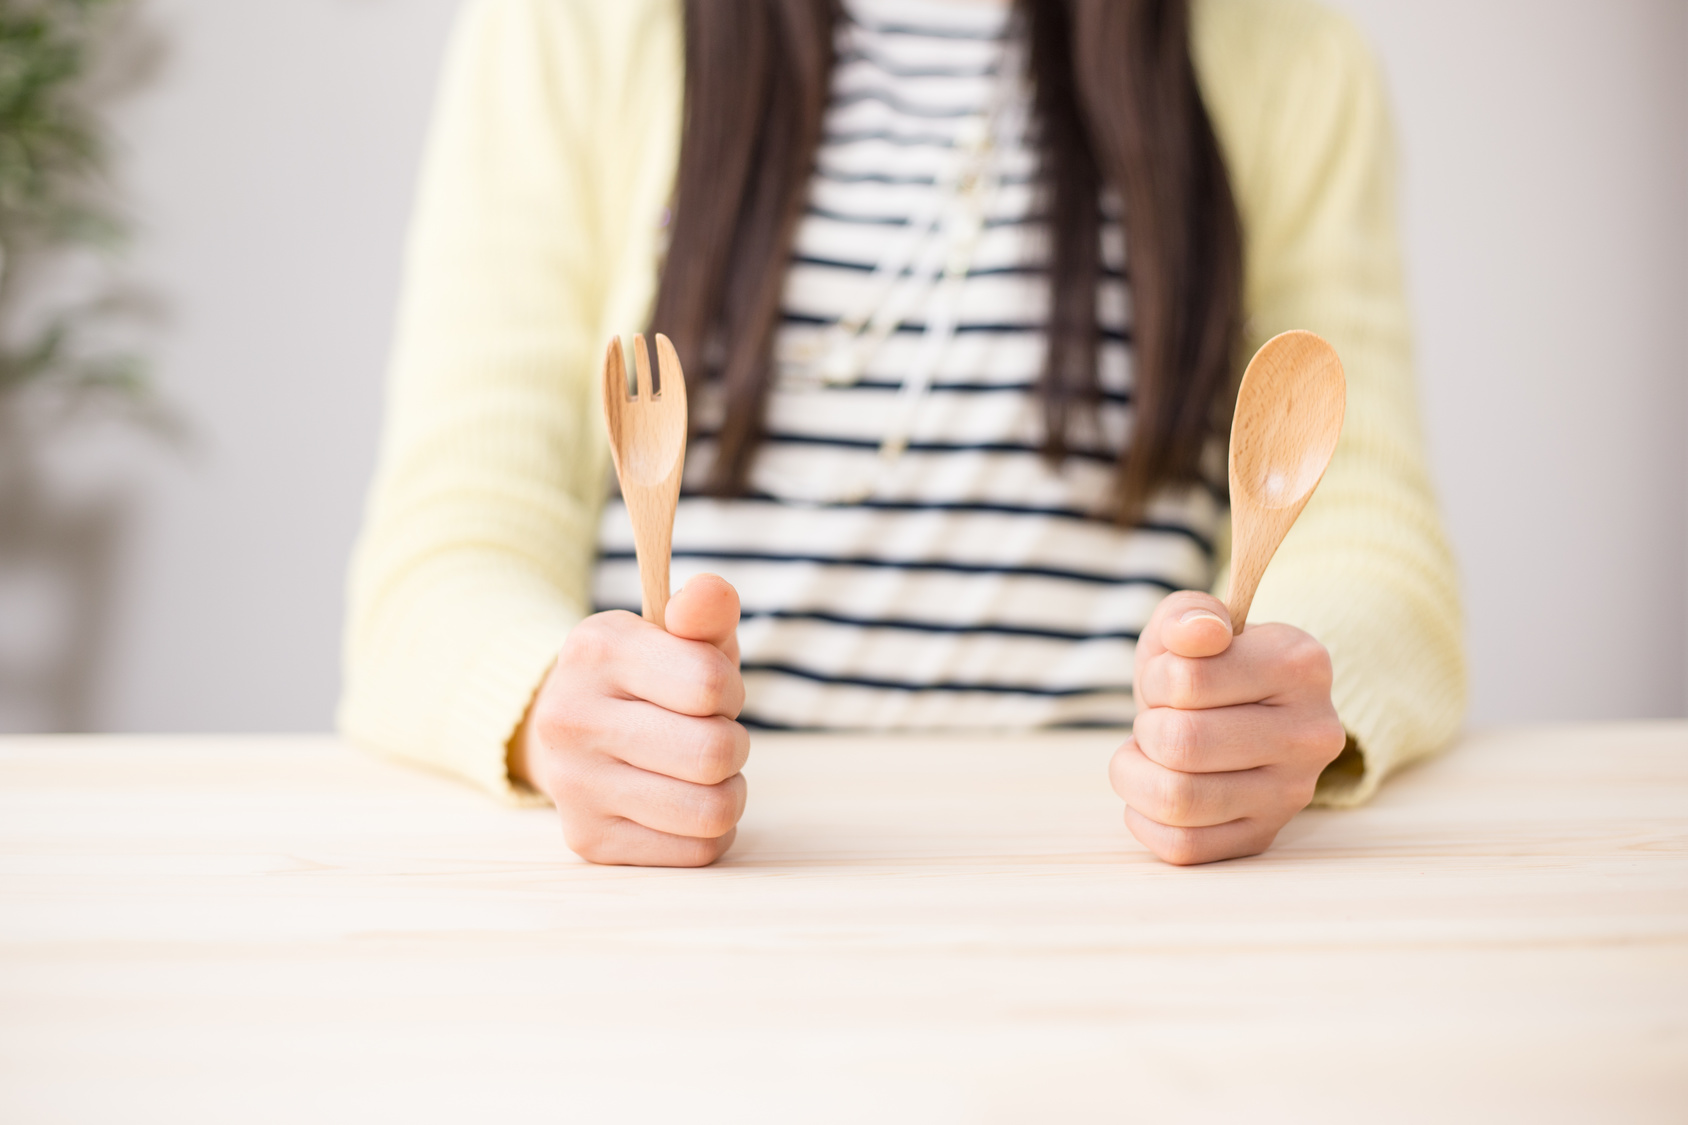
1318 740
1185 682
713 681
1177 737
1256 842
1310 661
700 853
570 730
1181 847
593 640
715 758
715 810
1329 738
561 722
589 842
1119 770
1178 797
1292 790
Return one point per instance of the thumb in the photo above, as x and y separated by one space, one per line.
706 609
1191 623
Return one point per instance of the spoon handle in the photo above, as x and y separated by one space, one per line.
1257 540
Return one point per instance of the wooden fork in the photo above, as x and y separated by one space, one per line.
648 442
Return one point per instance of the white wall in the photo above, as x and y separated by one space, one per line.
271 163
1545 195
1545 205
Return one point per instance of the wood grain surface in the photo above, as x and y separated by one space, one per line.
286 929
647 435
1289 412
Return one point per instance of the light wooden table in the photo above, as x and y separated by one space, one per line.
286 929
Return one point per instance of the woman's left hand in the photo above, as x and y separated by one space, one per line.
1231 732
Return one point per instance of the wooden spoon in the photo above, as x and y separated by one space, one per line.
1289 413
648 441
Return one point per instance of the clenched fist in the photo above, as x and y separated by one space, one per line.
633 738
1231 732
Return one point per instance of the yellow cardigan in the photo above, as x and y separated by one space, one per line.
551 156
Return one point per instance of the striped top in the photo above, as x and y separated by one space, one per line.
963 583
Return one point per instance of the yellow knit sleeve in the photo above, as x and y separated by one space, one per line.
1367 569
477 546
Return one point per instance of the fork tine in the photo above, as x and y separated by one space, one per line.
615 374
642 367
668 368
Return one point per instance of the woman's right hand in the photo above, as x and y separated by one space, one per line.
633 737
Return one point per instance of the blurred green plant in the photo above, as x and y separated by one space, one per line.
54 196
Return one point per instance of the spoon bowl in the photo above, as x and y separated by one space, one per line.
1290 407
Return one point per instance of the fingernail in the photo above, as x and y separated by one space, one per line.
1196 614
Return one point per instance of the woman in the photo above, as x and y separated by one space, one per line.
962 291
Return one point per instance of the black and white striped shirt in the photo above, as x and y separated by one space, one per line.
966 584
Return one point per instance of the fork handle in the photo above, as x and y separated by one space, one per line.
652 547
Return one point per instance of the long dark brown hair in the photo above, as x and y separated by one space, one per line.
1115 105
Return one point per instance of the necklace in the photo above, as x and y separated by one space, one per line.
929 262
